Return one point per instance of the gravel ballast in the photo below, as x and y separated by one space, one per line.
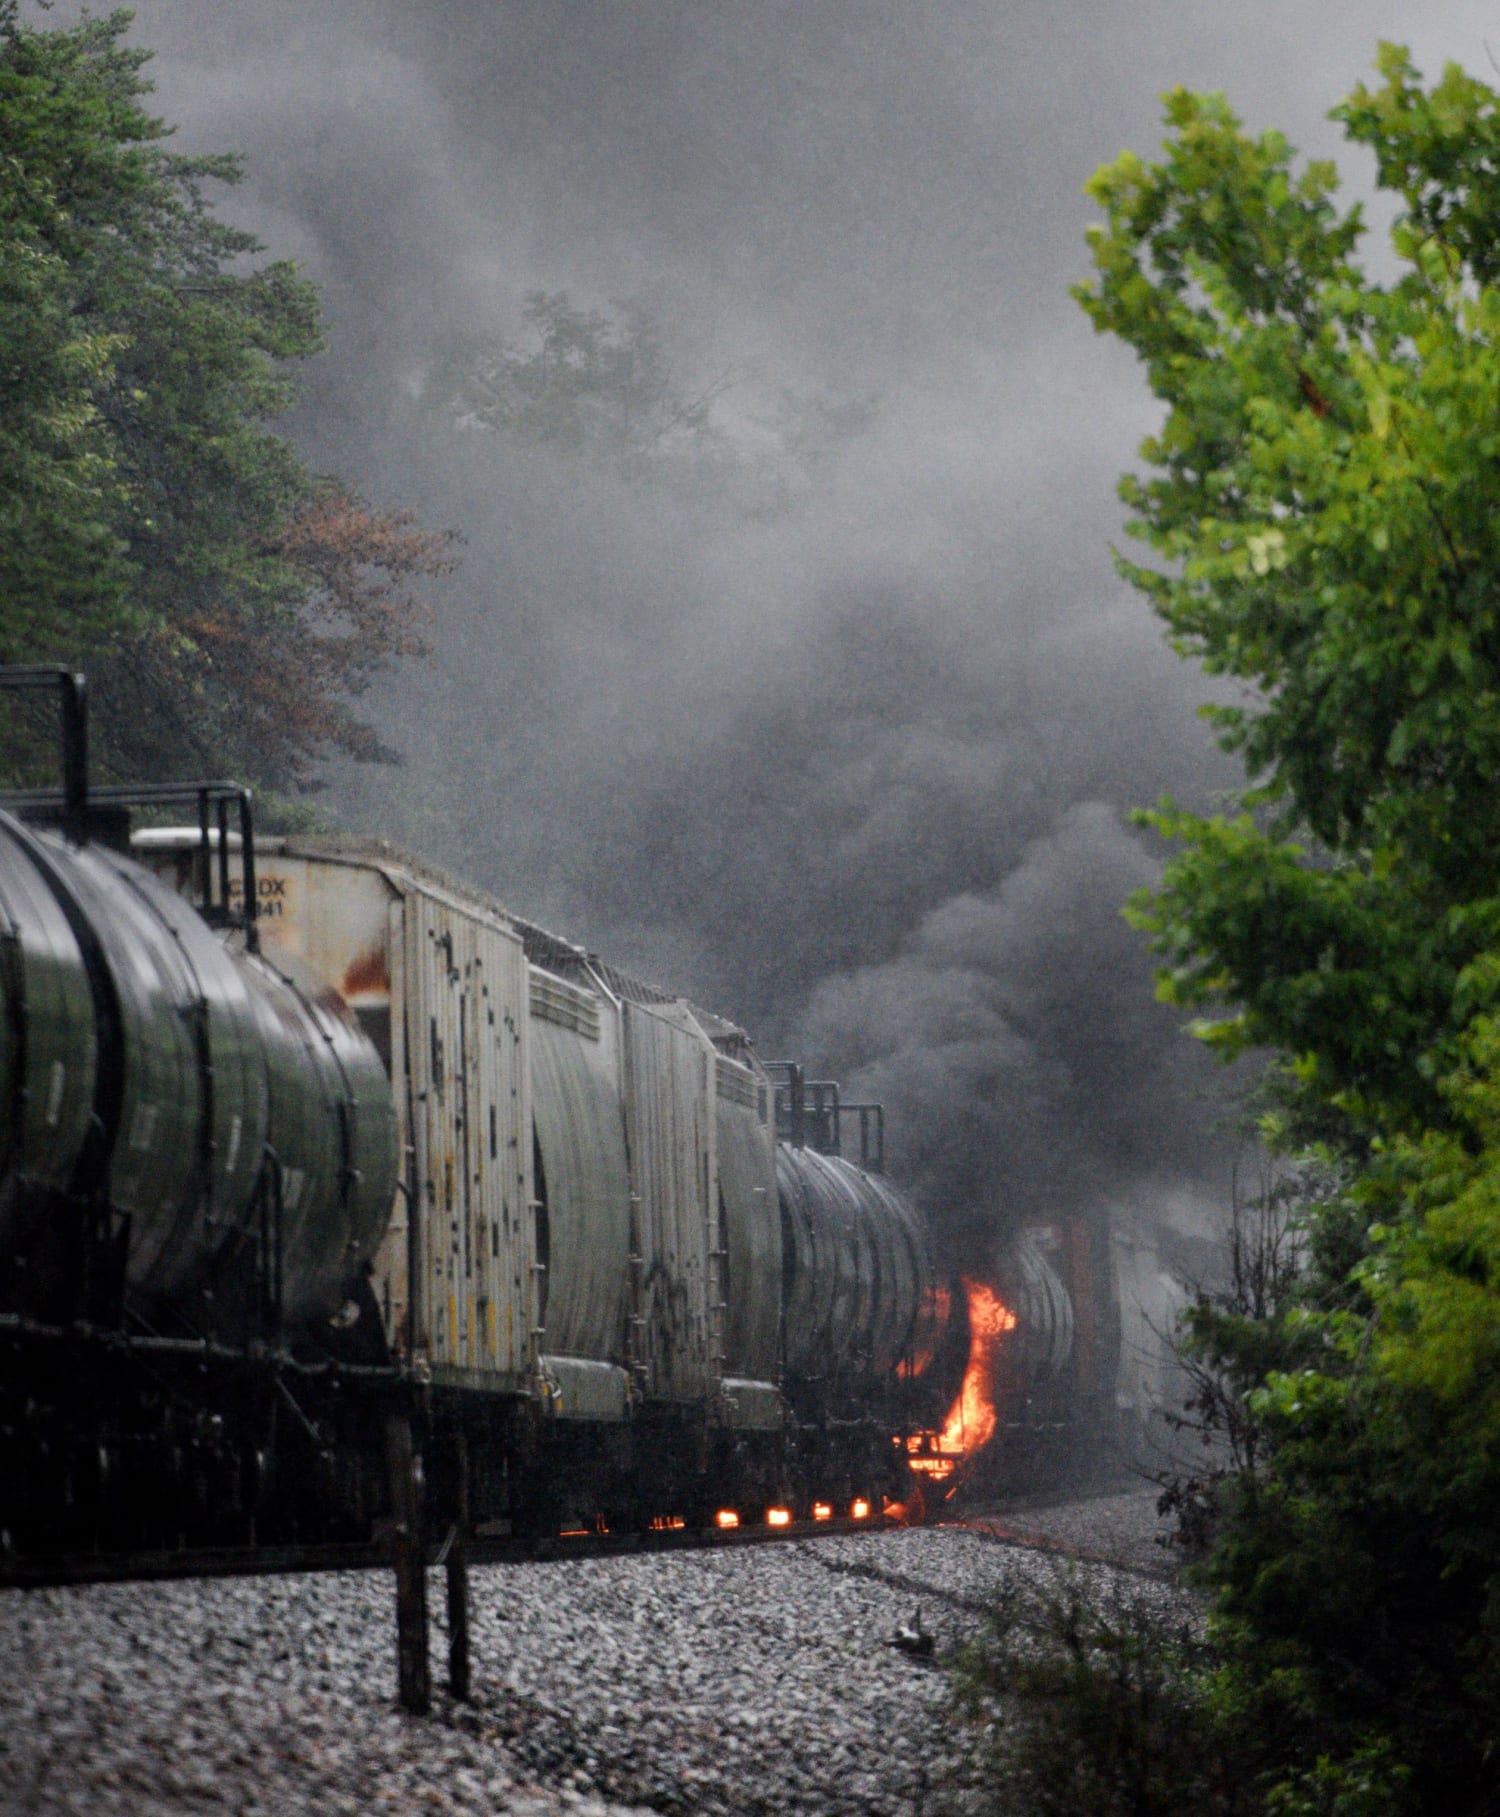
752 1680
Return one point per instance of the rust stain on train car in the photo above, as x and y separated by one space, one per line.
365 975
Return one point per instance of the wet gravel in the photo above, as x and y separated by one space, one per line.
750 1681
1123 1527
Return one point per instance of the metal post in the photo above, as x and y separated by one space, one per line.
247 870
413 1675
75 750
206 848
458 1576
223 808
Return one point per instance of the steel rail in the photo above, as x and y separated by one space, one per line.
159 1564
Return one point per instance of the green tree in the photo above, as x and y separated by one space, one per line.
1323 498
153 528
1323 492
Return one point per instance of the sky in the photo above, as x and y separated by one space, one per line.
842 744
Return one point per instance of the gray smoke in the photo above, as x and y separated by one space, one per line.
843 744
1017 1031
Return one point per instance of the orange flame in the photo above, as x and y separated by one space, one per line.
726 1517
910 1513
972 1418
778 1517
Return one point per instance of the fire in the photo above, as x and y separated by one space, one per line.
726 1518
778 1517
822 1511
910 1513
928 1463
972 1418
860 1509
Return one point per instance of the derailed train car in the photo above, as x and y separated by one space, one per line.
267 1174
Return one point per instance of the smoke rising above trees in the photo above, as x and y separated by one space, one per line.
750 752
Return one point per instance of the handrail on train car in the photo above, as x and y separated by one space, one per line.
76 806
73 704
810 1113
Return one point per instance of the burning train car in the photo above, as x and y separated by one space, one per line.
1062 1364
299 1135
300 1138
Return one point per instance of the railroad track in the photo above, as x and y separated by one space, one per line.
289 1560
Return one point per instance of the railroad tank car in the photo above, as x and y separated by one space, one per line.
170 1084
303 1144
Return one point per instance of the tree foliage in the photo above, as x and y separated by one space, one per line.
600 385
1323 503
152 526
1322 490
590 379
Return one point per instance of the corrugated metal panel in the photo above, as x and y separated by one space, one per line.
555 1000
585 1175
671 1132
466 997
739 1084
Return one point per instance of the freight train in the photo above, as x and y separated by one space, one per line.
312 1159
